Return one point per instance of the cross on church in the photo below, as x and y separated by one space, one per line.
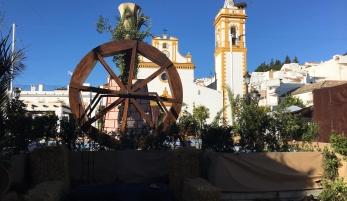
165 30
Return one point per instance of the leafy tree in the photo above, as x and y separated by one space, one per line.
128 27
295 60
192 124
276 66
69 131
290 100
217 138
287 60
334 188
18 125
251 125
263 67
188 123
201 113
45 127
260 131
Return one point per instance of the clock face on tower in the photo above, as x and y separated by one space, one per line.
166 53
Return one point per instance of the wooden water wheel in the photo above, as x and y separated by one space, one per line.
128 93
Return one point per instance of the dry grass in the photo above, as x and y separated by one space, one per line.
183 163
200 190
47 191
50 164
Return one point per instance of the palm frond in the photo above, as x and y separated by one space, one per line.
218 116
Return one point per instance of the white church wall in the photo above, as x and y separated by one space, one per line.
218 62
199 95
237 73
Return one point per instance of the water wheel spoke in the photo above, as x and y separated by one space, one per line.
132 63
99 90
92 105
143 114
169 100
103 112
110 71
150 78
125 114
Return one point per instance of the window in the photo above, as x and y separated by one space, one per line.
163 77
233 35
165 45
198 92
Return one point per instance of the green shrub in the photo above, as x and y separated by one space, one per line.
338 143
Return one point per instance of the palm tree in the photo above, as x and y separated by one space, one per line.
128 28
233 102
8 60
11 64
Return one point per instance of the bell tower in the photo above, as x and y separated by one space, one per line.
230 49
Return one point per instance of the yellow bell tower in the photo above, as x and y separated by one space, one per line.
230 49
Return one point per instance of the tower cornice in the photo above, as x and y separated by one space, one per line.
229 15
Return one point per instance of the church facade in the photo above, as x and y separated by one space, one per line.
193 93
230 64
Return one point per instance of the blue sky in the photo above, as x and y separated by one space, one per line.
57 34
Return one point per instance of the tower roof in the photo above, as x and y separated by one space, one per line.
229 4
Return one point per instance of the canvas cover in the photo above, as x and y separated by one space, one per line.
330 106
252 172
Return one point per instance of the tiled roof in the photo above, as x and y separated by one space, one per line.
317 85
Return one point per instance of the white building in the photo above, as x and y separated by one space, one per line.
40 99
295 77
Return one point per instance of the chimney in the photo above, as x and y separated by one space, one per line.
41 87
33 87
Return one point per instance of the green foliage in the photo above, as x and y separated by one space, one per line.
217 138
233 101
69 131
148 139
201 113
334 188
290 100
8 60
44 127
295 60
275 65
339 143
218 118
331 164
251 125
128 27
17 127
192 123
188 123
